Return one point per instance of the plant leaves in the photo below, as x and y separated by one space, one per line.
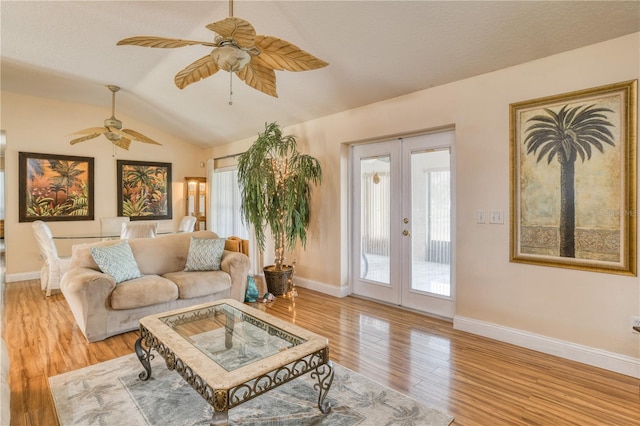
275 184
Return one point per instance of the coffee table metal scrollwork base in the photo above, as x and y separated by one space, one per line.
222 397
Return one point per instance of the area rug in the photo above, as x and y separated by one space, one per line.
110 393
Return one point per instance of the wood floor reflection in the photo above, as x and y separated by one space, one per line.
477 380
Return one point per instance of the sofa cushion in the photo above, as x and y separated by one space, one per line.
144 291
195 284
117 260
204 254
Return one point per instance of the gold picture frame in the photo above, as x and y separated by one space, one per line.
573 180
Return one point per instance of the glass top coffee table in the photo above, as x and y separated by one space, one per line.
230 353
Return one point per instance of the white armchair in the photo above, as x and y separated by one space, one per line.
139 229
187 224
54 266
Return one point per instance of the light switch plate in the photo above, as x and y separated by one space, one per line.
496 217
481 216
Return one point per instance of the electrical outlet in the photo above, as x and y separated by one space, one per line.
635 323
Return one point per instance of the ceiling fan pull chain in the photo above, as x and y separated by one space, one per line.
230 88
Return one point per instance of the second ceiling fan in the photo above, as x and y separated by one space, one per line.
113 130
237 48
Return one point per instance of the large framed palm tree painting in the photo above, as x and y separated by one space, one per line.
573 180
144 190
54 187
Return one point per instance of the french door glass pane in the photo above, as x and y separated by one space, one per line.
431 222
375 219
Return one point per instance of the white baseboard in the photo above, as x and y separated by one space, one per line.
331 290
23 276
587 355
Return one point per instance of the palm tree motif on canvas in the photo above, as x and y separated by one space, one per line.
565 136
144 190
57 188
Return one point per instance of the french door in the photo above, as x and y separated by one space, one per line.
402 216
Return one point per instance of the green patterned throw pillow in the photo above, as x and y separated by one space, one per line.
205 254
117 260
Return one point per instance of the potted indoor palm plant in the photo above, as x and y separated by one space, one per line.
275 184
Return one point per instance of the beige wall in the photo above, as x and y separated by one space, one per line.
42 125
584 308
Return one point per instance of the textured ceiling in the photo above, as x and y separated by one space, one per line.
376 50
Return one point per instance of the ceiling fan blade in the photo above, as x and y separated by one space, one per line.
161 42
122 143
238 29
127 135
282 55
259 77
140 137
85 138
90 130
202 68
118 131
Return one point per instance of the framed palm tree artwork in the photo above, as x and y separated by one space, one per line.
573 180
144 190
54 187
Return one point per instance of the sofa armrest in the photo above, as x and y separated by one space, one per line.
87 292
237 265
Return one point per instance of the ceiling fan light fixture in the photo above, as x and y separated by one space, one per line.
112 136
230 58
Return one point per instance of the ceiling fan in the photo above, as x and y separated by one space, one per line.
113 129
237 48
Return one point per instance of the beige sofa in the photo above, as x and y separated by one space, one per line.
103 308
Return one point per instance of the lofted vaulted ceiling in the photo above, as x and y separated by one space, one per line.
376 50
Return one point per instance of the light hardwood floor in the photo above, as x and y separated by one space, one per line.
479 381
